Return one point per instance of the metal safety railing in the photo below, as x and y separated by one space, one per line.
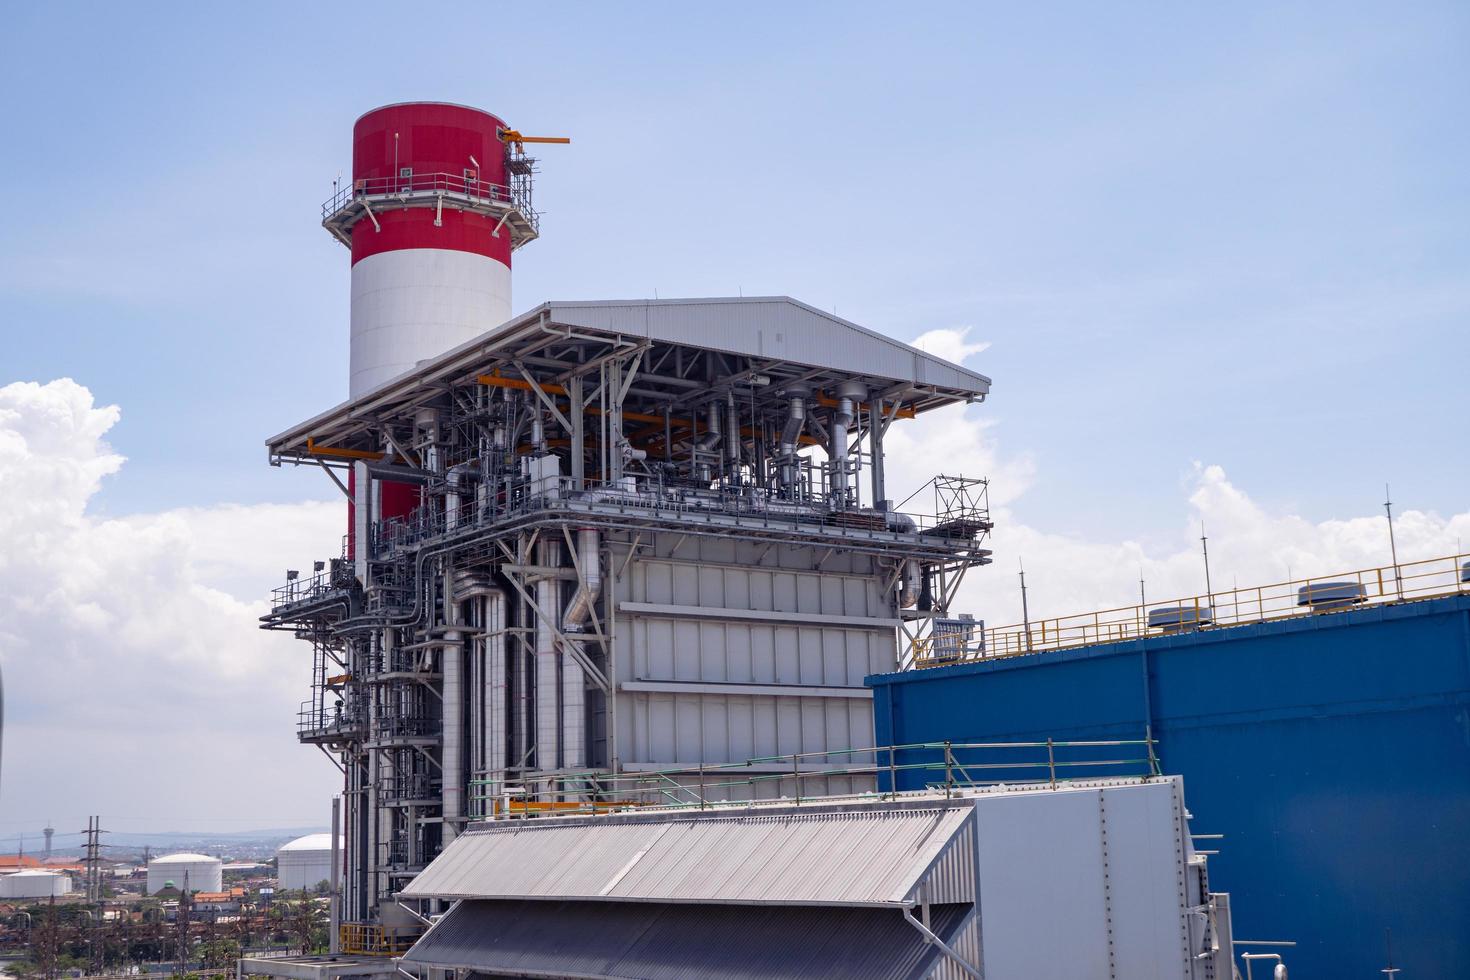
1300 597
655 498
429 184
895 769
370 939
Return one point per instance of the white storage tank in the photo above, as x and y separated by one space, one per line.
305 862
197 872
34 884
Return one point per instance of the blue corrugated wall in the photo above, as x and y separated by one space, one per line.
1332 751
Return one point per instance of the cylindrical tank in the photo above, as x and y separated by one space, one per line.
197 872
305 862
425 279
34 884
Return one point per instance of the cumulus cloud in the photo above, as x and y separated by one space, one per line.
1066 574
132 661
952 344
138 685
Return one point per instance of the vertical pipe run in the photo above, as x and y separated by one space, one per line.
451 667
548 715
574 619
334 933
494 696
732 440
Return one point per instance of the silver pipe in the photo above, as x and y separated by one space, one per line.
538 431
451 668
732 444
574 686
795 423
837 447
580 607
548 721
848 394
712 435
494 694
790 433
488 690
956 958
909 593
455 477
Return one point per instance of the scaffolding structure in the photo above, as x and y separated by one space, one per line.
608 539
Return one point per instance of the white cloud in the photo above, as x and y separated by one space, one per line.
952 344
1067 575
132 660
138 685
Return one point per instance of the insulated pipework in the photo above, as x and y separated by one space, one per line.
791 433
732 443
456 476
574 620
548 720
486 603
849 394
707 442
451 667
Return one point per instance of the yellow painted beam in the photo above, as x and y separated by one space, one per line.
316 450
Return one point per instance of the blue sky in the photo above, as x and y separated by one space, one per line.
1219 255
1232 233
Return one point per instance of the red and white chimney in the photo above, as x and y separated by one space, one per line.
435 206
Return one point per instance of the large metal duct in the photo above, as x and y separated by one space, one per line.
456 476
548 720
451 758
488 681
494 687
574 618
791 433
713 434
732 442
909 585
849 394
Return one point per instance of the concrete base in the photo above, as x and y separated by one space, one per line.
317 967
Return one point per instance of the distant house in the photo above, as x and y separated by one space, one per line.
217 901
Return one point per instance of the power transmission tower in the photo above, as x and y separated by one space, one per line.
93 860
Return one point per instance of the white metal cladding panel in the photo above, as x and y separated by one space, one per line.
1041 885
854 857
686 583
678 729
1146 838
721 651
773 327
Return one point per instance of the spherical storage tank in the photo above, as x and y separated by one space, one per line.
305 862
197 872
34 884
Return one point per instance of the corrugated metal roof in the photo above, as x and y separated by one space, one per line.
762 327
862 855
658 941
769 327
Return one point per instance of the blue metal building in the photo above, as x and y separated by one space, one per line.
1332 751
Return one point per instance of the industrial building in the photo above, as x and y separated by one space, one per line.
954 883
305 862
592 659
1320 727
34 883
596 538
186 872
